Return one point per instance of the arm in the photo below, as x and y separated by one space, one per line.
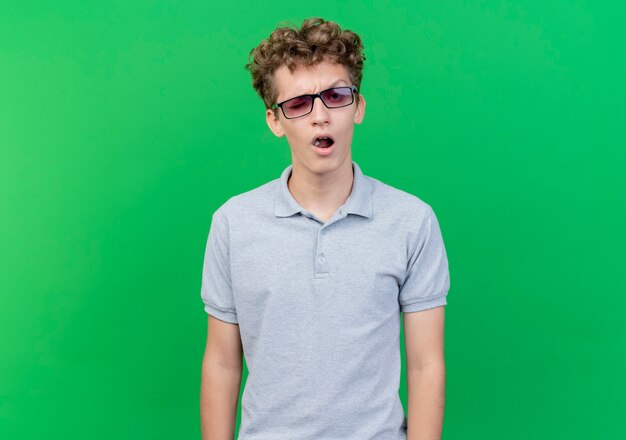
425 367
221 380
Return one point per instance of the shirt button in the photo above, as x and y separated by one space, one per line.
322 259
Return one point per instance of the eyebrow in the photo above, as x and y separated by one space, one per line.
330 86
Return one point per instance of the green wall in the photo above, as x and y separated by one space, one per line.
121 133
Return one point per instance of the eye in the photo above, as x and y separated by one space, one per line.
296 103
336 95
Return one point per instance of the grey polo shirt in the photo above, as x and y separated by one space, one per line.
318 305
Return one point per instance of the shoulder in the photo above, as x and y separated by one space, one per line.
257 200
398 206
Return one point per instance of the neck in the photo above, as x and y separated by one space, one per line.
321 193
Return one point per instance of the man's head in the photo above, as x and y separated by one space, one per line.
310 60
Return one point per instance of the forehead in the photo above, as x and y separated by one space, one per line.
309 79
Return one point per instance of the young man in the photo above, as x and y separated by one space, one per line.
308 274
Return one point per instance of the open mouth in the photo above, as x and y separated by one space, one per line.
323 142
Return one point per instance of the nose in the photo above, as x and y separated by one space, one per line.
320 113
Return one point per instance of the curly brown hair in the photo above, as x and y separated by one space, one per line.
316 41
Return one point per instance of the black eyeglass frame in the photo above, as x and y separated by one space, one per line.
354 89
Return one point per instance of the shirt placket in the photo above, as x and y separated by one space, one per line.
321 266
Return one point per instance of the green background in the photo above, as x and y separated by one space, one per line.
124 125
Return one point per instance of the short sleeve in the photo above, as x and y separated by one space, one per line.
427 279
216 291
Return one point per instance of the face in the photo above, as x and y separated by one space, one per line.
335 122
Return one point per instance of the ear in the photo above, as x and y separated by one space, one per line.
360 110
274 123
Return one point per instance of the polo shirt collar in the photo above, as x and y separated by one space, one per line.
359 201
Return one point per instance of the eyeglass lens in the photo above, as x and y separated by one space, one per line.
301 105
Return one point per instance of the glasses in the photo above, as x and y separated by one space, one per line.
335 97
